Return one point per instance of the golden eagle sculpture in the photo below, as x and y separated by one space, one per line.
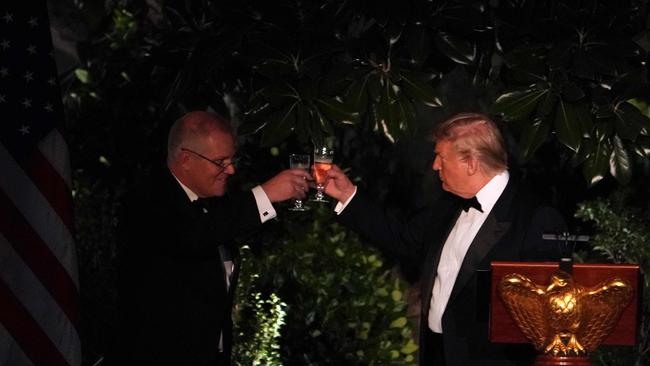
563 318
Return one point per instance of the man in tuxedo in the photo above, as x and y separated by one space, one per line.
485 216
178 256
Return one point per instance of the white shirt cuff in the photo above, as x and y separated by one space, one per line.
264 206
342 205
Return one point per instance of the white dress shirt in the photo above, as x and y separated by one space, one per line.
458 242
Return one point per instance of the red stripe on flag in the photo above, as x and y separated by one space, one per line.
26 332
51 184
38 257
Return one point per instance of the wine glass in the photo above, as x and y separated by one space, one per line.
323 156
298 161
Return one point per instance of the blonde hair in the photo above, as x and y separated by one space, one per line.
475 135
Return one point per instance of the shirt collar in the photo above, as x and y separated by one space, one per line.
190 194
490 193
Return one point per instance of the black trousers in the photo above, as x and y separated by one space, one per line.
435 352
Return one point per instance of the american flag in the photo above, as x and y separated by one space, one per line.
38 270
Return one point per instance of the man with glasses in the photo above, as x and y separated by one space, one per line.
178 254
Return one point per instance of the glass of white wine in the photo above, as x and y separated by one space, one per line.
323 157
299 161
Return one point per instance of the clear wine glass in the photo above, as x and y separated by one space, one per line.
298 161
323 157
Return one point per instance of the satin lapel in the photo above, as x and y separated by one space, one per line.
487 237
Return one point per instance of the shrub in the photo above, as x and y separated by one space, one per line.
344 305
622 235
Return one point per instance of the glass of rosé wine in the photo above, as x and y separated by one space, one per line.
323 156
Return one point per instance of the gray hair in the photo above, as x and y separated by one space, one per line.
190 131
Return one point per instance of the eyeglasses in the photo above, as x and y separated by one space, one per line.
219 163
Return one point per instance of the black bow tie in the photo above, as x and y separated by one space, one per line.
466 203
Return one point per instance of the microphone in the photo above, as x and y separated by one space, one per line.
568 241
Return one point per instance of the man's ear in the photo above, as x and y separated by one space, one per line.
472 166
184 161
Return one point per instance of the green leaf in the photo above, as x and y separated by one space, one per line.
419 87
568 125
388 114
399 322
396 295
597 163
457 49
83 75
279 126
418 43
357 94
533 136
641 146
619 162
303 123
630 122
518 105
409 347
336 111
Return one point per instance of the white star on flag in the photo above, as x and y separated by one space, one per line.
4 72
31 49
27 103
24 129
8 17
33 22
5 44
29 76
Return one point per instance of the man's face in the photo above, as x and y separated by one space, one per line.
209 178
453 171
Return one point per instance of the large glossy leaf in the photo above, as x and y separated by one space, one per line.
457 49
596 166
337 111
527 64
254 118
419 87
533 136
357 94
303 123
388 114
630 122
418 43
568 124
619 162
641 146
518 105
280 125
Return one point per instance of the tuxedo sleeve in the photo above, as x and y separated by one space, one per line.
391 231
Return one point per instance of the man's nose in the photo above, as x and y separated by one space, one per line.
436 164
230 169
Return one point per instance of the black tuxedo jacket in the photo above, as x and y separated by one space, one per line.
512 232
173 302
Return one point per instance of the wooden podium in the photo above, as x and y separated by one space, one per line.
503 328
